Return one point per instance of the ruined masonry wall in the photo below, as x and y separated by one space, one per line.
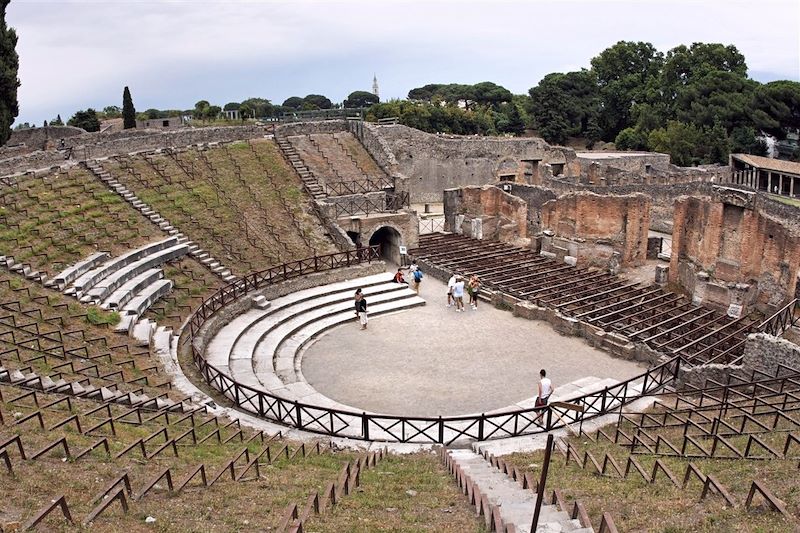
437 162
727 251
763 352
486 213
599 223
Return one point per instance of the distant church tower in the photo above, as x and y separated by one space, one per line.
375 86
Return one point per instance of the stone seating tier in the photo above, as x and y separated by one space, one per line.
106 286
92 277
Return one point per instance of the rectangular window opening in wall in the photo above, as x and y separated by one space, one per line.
165 124
507 177
558 168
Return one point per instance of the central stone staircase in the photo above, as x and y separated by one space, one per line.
503 500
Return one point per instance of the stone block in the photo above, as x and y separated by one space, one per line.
662 274
571 260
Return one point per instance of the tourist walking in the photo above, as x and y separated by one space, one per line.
450 283
474 289
356 297
458 294
417 277
361 309
544 390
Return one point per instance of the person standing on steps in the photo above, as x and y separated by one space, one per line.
361 309
450 283
356 297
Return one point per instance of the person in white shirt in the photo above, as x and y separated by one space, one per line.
545 390
545 387
450 283
458 293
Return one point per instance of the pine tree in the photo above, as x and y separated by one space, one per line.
9 66
128 111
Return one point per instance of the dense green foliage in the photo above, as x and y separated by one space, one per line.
694 102
128 111
359 99
87 120
9 66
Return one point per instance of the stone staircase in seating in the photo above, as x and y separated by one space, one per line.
96 168
310 182
506 498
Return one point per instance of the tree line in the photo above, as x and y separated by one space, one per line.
695 103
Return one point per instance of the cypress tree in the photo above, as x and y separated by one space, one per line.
128 111
9 66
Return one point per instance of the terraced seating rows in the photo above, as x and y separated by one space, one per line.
628 312
201 255
110 458
226 199
46 337
48 223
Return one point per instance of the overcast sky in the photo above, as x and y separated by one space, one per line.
78 54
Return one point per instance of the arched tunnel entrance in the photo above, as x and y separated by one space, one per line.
389 240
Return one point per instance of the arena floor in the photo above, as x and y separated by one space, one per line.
431 360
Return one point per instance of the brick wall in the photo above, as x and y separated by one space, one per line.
601 225
486 213
728 251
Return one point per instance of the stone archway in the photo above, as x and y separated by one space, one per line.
390 240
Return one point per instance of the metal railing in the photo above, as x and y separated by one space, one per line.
362 186
256 280
364 205
431 225
783 319
365 426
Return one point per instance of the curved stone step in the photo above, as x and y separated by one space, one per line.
91 278
70 274
264 352
131 288
239 329
104 287
288 363
147 297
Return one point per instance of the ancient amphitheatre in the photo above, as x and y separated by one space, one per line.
236 392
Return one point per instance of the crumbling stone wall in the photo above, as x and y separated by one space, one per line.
486 213
591 227
42 138
95 145
763 352
535 197
437 162
730 253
